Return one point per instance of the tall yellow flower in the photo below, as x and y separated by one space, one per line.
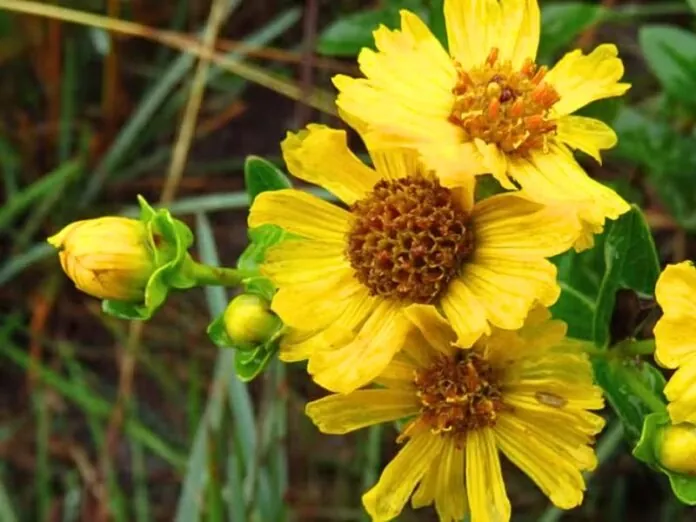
404 240
524 393
486 106
675 338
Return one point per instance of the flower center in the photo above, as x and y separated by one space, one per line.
409 239
497 104
458 394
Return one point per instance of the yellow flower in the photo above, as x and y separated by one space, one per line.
486 106
404 240
525 393
108 257
675 338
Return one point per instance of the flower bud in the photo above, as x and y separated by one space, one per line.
249 321
108 257
677 448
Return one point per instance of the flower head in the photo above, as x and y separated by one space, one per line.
405 240
675 338
524 393
485 105
108 258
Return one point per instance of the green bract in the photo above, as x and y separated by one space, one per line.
683 486
251 359
169 239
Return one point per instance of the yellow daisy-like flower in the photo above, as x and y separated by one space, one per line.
404 240
525 393
486 107
675 338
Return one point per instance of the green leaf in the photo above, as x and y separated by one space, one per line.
692 4
579 276
248 368
347 35
667 157
633 389
261 175
631 261
670 53
218 334
561 24
683 486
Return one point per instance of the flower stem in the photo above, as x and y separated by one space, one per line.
206 275
641 391
642 347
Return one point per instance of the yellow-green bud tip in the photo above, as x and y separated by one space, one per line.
108 258
677 448
249 321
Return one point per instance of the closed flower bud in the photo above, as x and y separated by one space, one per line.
249 321
108 257
677 448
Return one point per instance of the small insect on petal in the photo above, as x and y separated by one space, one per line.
550 399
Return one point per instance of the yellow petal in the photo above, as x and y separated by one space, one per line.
450 497
580 79
433 327
485 487
556 178
395 163
300 213
510 226
455 162
401 476
314 305
407 92
398 374
298 345
321 155
553 472
465 313
303 261
495 161
587 134
427 489
507 289
474 27
350 365
339 414
528 30
675 332
681 393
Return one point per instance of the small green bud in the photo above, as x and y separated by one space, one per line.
676 448
249 321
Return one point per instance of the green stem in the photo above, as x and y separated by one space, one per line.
642 392
206 275
642 347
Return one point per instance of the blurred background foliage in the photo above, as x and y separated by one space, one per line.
102 420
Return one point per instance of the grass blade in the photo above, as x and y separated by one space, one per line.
197 476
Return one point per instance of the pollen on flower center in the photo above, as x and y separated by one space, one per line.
458 394
505 106
409 239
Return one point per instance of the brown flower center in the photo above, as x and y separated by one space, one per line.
458 394
501 105
409 239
